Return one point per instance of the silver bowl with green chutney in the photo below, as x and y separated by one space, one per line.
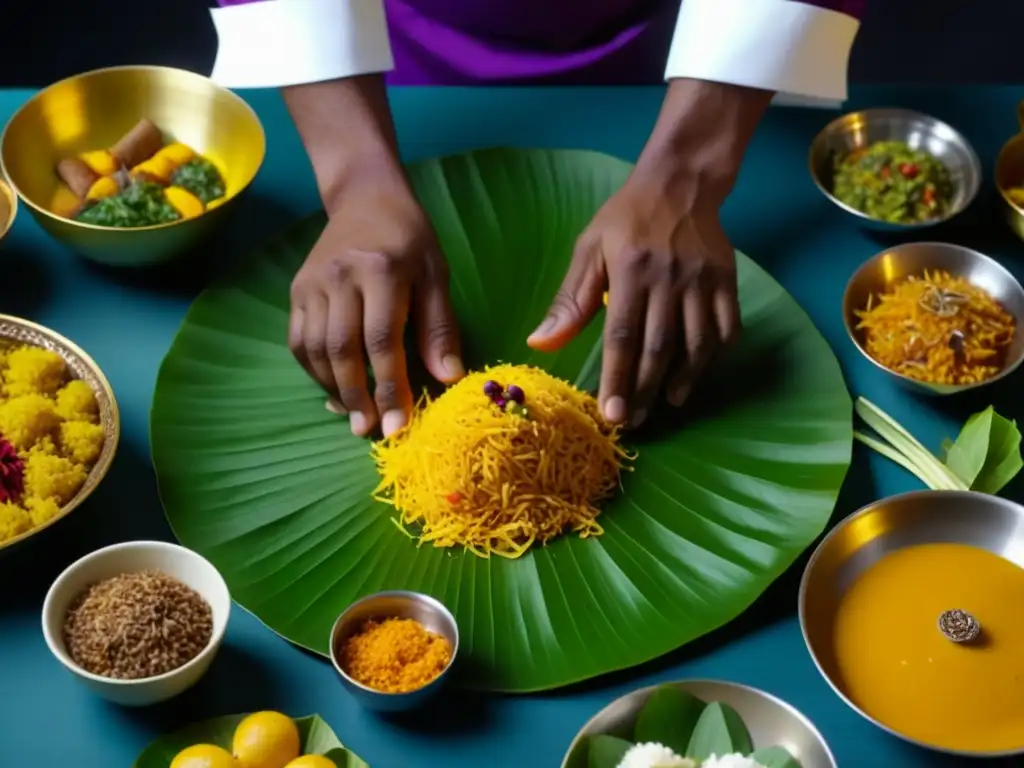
890 192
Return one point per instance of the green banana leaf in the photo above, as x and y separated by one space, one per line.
257 476
317 739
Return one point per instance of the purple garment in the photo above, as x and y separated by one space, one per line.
468 42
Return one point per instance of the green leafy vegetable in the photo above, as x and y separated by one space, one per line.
317 739
140 204
201 178
669 717
719 731
774 757
984 457
606 751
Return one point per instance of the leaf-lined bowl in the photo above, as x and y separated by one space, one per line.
260 478
769 722
317 739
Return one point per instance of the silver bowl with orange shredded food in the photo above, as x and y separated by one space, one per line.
940 318
394 650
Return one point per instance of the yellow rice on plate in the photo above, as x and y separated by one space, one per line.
50 436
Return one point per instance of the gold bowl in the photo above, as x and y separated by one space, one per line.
8 208
878 274
1009 173
94 110
862 539
15 331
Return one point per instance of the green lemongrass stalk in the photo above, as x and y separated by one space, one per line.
904 449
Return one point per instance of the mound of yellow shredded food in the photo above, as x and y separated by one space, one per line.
495 475
938 329
395 655
50 437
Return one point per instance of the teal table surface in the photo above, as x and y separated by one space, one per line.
126 322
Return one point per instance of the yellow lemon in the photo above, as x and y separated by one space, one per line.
311 761
265 740
203 756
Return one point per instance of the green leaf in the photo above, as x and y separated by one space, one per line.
774 757
669 717
967 455
719 731
1003 459
606 751
258 477
317 739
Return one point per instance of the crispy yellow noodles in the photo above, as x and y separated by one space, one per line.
499 478
937 329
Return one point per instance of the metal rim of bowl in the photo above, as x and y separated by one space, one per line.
139 67
969 198
433 602
804 720
852 334
216 636
802 615
102 466
7 190
1003 152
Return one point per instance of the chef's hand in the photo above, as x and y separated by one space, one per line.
658 248
376 261
670 273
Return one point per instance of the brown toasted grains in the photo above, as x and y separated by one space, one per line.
137 625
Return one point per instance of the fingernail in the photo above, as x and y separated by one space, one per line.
334 407
639 417
615 409
358 423
392 422
453 367
678 395
546 327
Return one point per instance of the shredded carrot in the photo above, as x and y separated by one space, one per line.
939 329
395 655
520 474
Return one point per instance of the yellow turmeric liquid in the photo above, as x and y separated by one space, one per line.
897 666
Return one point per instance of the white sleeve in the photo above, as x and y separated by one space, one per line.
798 50
276 43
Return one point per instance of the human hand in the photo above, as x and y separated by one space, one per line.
670 273
376 261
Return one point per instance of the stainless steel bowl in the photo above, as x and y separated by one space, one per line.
920 131
429 612
863 538
770 721
879 273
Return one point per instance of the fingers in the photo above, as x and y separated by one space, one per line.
385 312
622 329
727 313
575 304
343 343
436 327
658 349
306 339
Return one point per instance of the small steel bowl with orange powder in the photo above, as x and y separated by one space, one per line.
393 650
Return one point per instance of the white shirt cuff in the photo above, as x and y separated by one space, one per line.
276 43
798 50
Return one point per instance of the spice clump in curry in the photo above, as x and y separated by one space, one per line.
890 181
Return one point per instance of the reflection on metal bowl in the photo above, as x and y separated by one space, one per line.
895 523
858 130
14 330
883 270
8 208
770 720
94 110
1009 174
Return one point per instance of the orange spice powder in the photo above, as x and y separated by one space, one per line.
395 655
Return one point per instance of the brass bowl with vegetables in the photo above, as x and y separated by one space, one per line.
940 318
132 166
1009 174
910 609
895 169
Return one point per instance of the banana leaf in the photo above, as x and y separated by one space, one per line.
257 476
317 739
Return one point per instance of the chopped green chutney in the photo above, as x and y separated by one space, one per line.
140 204
201 178
891 182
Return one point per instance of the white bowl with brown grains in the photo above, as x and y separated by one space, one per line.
143 566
